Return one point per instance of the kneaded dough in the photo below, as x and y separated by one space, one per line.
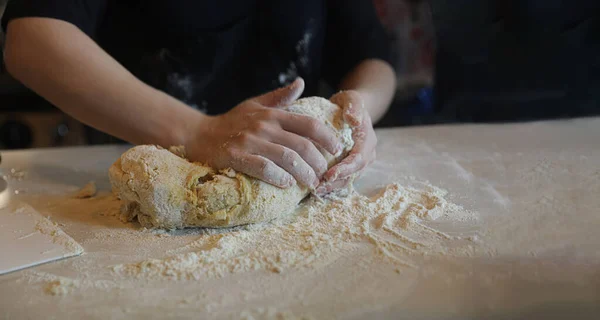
162 189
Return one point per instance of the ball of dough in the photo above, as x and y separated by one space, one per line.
162 189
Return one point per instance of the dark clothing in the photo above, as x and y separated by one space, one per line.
501 60
215 54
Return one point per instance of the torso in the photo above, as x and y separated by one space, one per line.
213 54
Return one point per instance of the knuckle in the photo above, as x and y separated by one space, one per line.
231 153
272 173
270 114
288 156
265 168
263 126
304 147
244 139
314 125
258 127
269 170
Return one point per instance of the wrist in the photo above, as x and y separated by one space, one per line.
179 123
195 129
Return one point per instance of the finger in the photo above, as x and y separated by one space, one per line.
313 129
328 187
290 161
362 153
353 114
351 164
361 133
282 96
352 105
306 149
263 169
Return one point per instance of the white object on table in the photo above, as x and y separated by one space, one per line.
28 239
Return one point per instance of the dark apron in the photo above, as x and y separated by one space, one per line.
511 60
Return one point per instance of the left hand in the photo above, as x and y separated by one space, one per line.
365 142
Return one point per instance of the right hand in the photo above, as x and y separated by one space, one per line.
265 142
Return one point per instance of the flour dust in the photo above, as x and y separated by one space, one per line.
393 222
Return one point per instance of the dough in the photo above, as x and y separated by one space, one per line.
87 191
164 190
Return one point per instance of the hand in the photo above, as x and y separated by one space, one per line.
365 142
265 142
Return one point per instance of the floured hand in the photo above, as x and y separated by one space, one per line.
365 141
261 140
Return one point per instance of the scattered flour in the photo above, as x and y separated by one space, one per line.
87 191
393 221
59 286
15 174
396 226
272 314
51 228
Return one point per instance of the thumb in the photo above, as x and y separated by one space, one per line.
282 96
352 105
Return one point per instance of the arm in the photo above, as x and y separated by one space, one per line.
61 63
375 81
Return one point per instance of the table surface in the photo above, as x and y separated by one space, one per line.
535 187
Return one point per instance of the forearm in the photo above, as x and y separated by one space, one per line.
63 65
375 80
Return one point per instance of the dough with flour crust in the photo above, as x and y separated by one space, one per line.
162 189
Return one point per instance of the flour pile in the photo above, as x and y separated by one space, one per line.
323 230
59 286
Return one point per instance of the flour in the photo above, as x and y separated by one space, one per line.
87 191
272 314
393 221
302 49
59 286
15 174
541 251
302 58
50 228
